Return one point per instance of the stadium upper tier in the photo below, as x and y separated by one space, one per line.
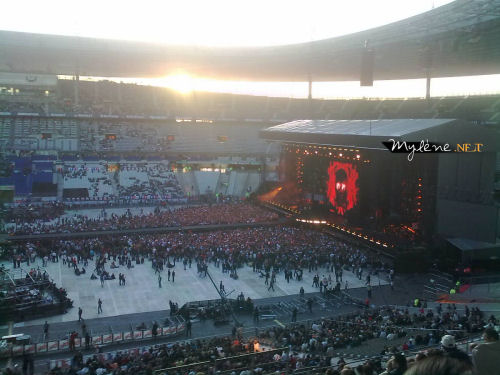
457 39
110 102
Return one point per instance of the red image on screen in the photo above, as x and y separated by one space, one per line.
342 188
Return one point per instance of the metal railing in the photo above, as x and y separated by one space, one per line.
98 338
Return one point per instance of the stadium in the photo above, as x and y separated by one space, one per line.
178 230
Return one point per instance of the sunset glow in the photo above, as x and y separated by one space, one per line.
412 88
182 83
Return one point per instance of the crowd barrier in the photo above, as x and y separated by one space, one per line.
96 340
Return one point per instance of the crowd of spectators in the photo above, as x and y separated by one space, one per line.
29 213
272 252
279 249
311 348
165 182
276 249
390 323
149 179
74 171
267 248
227 213
133 181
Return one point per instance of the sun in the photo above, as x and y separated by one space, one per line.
182 83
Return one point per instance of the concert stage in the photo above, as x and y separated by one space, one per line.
344 173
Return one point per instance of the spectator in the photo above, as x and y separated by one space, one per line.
396 365
46 331
486 356
439 365
450 349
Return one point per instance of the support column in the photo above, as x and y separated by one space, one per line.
96 92
310 88
428 60
428 85
119 93
309 97
76 87
155 97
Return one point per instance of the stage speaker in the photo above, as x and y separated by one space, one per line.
367 63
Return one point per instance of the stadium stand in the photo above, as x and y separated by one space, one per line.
217 107
100 178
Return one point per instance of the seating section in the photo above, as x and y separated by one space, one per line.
91 176
134 181
216 138
164 182
6 126
35 133
148 180
137 180
213 123
120 136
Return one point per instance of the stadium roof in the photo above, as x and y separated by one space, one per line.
376 128
371 133
457 39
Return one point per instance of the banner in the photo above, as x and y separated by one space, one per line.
29 348
17 350
107 338
31 114
42 347
127 336
137 335
63 363
97 340
118 336
147 334
63 344
53 346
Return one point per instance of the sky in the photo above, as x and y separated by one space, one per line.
237 23
208 22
